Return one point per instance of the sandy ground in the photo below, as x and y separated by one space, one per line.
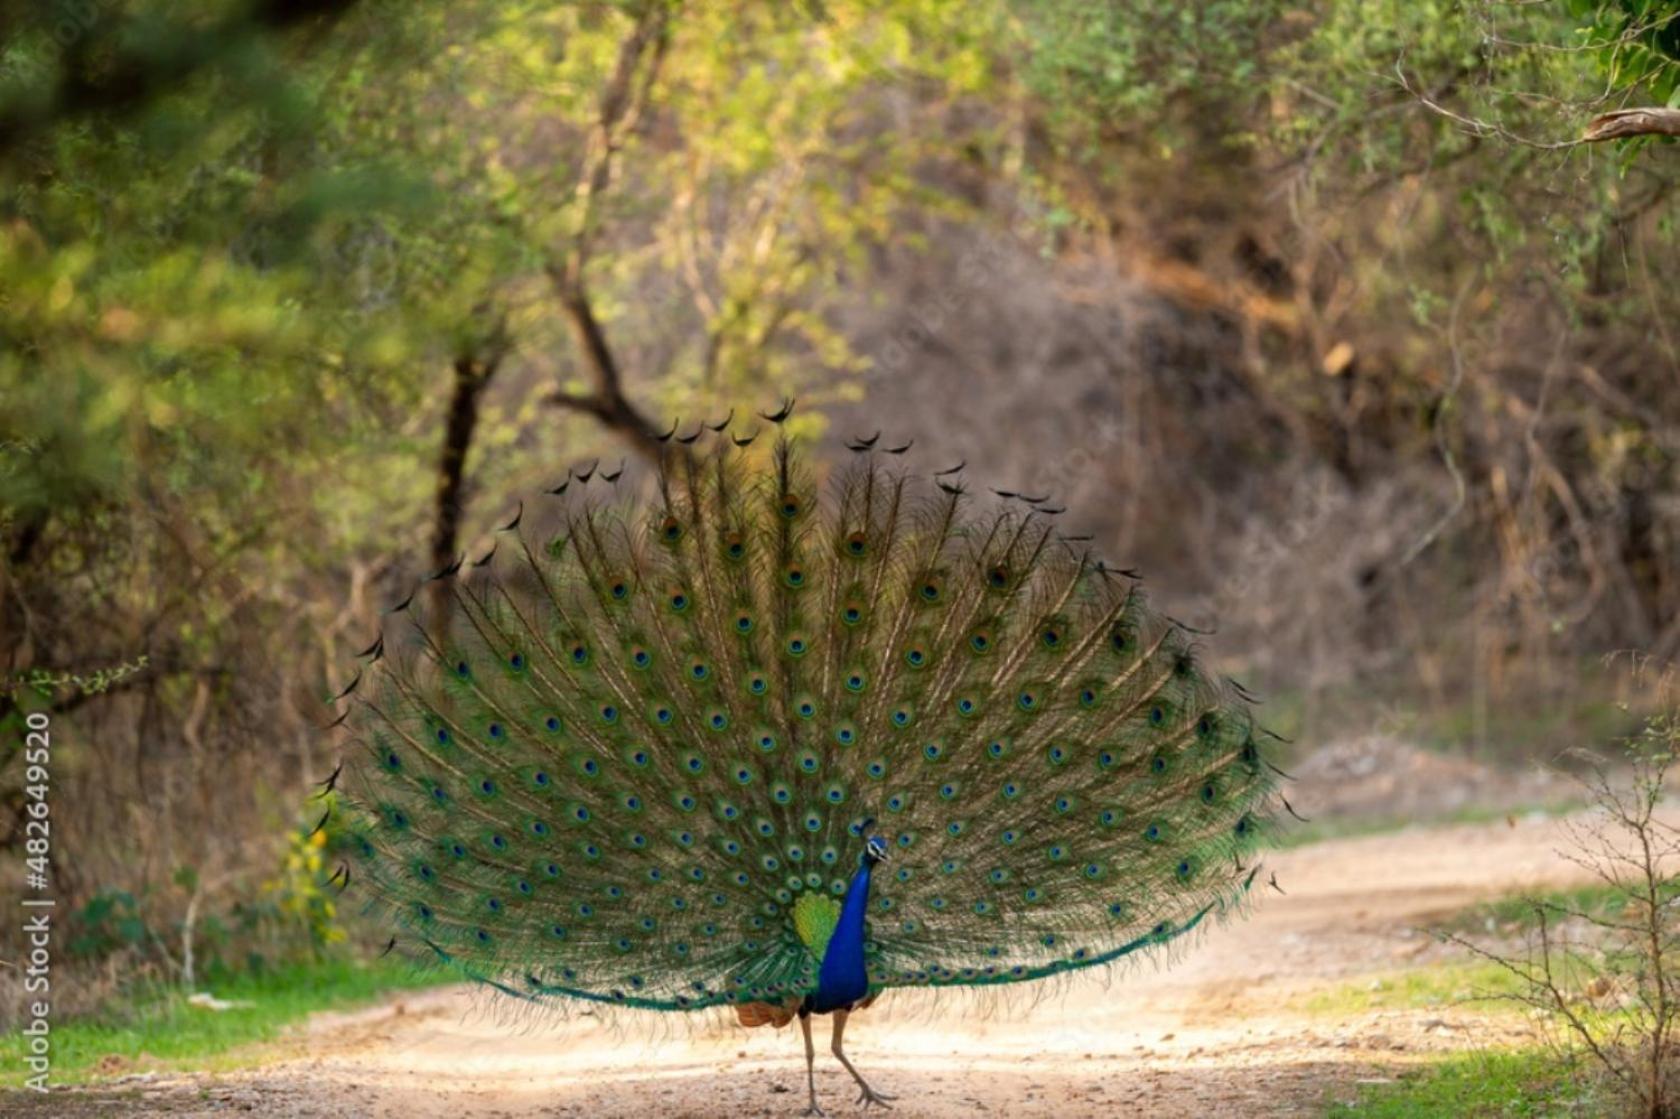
1223 1030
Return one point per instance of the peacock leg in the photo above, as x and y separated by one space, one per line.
810 1064
868 1096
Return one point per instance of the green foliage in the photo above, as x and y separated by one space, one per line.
159 1030
1532 1084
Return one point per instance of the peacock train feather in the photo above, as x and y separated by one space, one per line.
652 748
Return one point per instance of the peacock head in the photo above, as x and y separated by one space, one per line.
874 850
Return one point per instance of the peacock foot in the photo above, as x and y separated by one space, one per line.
869 1097
816 1111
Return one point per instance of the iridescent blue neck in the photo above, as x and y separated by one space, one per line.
843 978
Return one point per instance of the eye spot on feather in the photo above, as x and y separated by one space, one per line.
895 803
495 730
808 762
1087 697
1154 833
734 546
620 590
1121 640
947 791
1009 837
538 828
580 814
876 769
498 842
1056 754
1157 715
552 870
552 724
1011 790
933 751
854 682
794 577
443 736
517 661
591 852
393 761
857 544
851 614
902 717
996 749
980 642
579 652
463 670
1108 817
845 735
424 911
1185 870
790 505
757 684
670 529
955 828
916 656
679 602
1244 825
1050 637
686 803
487 787
641 658
609 714
797 646
718 721
1027 701
931 590
743 623
1209 793
1032 895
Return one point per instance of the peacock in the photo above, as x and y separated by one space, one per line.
777 743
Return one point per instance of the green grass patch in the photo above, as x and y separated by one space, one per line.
1516 914
1444 984
1530 1083
162 1031
1293 834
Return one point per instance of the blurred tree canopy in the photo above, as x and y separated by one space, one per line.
297 296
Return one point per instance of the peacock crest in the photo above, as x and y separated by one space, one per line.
638 759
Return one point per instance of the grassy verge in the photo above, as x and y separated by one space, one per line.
1515 913
163 1032
1527 1083
1441 984
1294 834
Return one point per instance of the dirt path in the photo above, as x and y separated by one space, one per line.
1222 1031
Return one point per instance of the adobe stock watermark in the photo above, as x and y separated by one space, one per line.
37 902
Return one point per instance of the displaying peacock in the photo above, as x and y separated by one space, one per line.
781 745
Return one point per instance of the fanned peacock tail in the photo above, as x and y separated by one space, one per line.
635 762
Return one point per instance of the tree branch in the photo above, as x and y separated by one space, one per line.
621 106
473 373
1646 120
